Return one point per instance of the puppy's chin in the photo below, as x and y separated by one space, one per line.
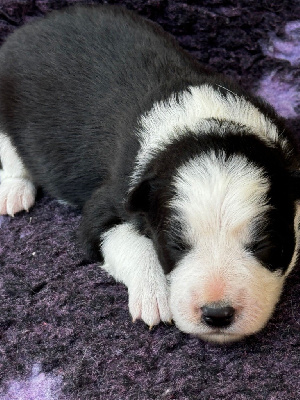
251 293
217 336
221 338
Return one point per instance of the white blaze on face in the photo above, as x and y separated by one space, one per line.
217 200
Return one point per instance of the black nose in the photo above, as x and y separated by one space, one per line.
217 317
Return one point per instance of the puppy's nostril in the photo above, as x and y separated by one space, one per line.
217 317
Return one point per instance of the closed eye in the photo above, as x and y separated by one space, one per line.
179 246
266 251
261 246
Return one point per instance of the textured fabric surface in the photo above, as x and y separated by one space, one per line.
65 328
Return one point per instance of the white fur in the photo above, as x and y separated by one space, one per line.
130 258
297 237
252 290
170 119
217 201
17 192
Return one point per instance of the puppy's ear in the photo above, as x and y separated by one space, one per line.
141 197
295 184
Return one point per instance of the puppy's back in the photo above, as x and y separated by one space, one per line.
73 85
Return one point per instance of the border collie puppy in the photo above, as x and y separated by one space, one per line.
188 185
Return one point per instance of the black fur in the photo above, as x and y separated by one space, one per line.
72 89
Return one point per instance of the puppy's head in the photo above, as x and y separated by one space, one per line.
224 225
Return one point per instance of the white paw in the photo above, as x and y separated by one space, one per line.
148 299
16 194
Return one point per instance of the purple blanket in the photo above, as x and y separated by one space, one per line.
65 330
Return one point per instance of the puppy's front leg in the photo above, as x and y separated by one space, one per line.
131 258
17 192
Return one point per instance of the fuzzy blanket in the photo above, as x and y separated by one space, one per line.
65 330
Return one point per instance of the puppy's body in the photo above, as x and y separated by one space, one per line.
177 169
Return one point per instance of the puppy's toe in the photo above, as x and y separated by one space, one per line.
143 306
149 301
16 194
163 306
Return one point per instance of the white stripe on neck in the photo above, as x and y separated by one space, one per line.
189 111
